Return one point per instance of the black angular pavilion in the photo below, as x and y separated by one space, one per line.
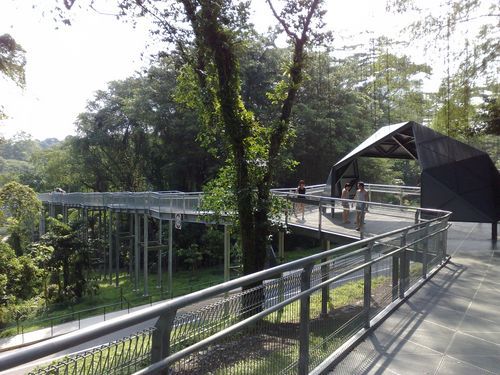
454 176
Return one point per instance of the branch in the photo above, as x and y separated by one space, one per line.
289 32
313 8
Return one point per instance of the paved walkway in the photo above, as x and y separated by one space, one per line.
451 325
13 342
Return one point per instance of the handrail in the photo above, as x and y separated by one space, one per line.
86 334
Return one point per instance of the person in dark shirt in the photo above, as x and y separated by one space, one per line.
301 191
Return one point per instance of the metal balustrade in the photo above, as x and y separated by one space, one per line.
298 317
172 202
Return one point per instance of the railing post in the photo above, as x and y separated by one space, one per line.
145 254
395 276
170 258
160 345
305 284
425 250
281 246
401 196
367 285
404 267
319 218
325 273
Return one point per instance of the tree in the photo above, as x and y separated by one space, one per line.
70 259
12 62
255 149
20 207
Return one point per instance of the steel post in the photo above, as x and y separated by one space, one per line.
227 254
137 238
425 250
145 254
170 258
41 224
304 327
281 246
325 273
160 345
404 267
110 246
160 241
367 286
117 247
395 276
130 220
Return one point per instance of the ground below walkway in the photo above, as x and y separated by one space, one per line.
451 325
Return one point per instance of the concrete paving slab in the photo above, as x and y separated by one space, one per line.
450 326
453 366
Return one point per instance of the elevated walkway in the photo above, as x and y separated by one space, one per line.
450 326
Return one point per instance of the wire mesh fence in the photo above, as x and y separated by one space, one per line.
123 356
285 320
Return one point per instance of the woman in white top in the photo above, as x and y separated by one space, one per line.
361 197
345 205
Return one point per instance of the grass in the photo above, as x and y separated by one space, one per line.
111 298
270 346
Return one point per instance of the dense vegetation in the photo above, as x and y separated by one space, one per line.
300 107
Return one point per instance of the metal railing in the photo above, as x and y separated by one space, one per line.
173 202
28 330
121 356
296 318
154 203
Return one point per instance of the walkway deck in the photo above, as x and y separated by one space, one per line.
451 325
378 220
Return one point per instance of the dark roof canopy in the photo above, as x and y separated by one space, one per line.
454 177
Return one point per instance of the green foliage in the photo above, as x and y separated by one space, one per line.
12 62
20 280
69 262
21 207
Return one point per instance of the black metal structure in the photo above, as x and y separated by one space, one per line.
454 176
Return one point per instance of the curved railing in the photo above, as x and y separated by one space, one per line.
296 318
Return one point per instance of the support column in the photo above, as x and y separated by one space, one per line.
137 238
110 246
65 214
304 326
41 224
100 236
52 210
160 235
170 258
367 286
494 231
145 255
117 247
325 274
85 222
281 246
105 235
131 237
227 254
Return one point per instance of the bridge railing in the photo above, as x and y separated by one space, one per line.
154 202
179 202
294 318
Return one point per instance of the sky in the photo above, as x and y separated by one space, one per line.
67 65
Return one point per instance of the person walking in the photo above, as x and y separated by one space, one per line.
345 205
301 191
361 198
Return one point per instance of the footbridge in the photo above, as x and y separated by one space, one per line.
302 317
